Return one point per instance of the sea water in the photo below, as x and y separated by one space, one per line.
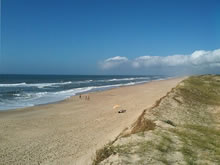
18 91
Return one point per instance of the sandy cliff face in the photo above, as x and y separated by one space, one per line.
181 128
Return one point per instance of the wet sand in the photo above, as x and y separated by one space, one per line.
69 132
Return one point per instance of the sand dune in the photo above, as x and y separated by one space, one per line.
181 128
69 132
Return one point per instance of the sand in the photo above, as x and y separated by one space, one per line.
69 132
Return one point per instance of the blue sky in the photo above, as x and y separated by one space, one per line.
81 36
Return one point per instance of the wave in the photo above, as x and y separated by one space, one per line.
17 94
12 85
69 92
91 88
84 81
39 85
20 100
43 85
125 79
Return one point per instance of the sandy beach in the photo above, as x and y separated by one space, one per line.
69 132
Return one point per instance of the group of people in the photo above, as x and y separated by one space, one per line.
86 97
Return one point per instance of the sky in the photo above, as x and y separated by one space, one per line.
174 37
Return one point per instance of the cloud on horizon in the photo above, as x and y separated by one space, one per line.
113 62
198 60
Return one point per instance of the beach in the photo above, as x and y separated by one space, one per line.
70 131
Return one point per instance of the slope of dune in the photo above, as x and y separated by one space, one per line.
181 128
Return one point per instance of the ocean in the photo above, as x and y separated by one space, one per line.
18 91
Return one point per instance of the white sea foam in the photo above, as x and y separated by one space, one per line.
43 85
39 85
13 85
31 99
93 88
27 99
125 79
17 95
84 81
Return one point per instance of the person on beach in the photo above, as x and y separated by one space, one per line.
87 97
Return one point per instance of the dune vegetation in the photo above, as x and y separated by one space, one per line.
181 128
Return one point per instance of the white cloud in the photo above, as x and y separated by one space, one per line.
113 62
117 58
149 61
198 59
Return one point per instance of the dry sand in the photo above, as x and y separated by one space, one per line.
69 132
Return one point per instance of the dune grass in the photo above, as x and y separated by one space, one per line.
201 89
193 133
199 143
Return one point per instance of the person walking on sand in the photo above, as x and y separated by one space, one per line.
87 97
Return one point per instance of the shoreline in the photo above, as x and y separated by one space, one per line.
83 93
72 130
